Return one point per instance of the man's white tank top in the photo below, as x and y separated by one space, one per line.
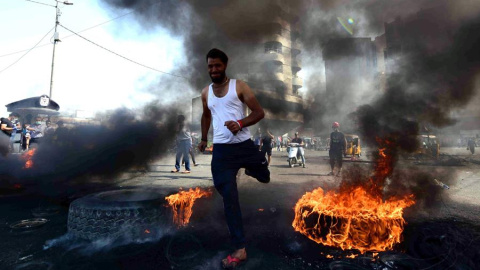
227 108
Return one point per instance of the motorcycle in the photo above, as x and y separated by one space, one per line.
294 156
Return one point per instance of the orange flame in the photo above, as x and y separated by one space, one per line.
182 204
28 157
357 217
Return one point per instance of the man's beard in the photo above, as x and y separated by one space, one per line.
220 79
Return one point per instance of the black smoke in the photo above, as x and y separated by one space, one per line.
432 58
76 157
237 26
431 82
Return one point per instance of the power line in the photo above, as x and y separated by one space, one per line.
26 52
86 29
119 55
40 3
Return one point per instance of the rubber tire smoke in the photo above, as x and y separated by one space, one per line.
132 213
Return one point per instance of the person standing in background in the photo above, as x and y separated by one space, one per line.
184 143
9 129
338 146
266 145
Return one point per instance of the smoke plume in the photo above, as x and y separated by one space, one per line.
87 154
431 58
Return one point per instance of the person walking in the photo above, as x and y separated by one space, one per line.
266 145
471 145
184 143
225 102
258 137
9 129
338 147
279 143
192 153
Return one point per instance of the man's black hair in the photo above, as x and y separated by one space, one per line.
216 53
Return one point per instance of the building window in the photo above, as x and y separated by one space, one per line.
273 47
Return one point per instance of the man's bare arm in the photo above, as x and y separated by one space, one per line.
206 120
246 95
4 127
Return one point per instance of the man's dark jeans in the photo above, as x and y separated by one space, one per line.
227 159
336 156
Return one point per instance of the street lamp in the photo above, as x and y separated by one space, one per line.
56 37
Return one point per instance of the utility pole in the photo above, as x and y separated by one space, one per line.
56 39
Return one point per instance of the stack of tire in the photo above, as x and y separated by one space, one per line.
134 214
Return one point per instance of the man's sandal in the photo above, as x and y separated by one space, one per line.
232 262
174 171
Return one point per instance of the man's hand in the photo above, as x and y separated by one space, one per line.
202 145
233 126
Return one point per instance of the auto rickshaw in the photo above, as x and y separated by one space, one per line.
353 145
428 146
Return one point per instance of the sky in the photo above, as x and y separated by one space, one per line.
86 77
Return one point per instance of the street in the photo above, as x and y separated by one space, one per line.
441 231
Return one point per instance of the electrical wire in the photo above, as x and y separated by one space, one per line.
86 29
27 51
40 3
119 55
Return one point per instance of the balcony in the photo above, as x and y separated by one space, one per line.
276 76
297 81
296 65
264 77
297 45
273 56
275 37
295 52
296 62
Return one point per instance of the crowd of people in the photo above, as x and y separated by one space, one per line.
24 133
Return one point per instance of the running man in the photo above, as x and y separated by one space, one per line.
225 102
338 146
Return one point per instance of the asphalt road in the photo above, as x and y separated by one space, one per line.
442 233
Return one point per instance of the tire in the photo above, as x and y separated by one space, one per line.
116 214
290 163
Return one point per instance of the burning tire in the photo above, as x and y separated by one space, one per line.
132 213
